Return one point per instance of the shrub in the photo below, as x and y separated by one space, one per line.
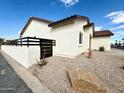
101 48
41 62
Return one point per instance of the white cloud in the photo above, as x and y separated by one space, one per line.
119 33
98 28
116 28
69 3
116 17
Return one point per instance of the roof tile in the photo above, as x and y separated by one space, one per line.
102 33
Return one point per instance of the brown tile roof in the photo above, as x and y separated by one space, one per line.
34 18
102 33
69 18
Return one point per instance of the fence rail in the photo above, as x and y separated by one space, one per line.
45 45
30 41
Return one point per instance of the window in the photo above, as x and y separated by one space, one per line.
80 38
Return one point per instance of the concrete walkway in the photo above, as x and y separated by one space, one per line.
10 82
31 81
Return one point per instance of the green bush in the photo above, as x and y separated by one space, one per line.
101 48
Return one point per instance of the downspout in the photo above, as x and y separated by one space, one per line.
90 43
91 36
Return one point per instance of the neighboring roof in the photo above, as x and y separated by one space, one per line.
90 24
69 18
1 38
34 18
102 33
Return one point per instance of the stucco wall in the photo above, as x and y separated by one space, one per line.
67 39
101 41
80 48
66 36
88 31
38 29
20 54
25 56
33 54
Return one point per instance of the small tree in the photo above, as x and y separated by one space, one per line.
122 40
119 45
116 43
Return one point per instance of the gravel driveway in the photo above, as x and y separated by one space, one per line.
106 65
10 82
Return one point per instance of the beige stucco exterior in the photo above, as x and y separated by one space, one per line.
101 41
37 29
67 36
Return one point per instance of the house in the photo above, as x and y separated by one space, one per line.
73 35
102 38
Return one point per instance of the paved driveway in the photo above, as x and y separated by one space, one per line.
10 82
117 51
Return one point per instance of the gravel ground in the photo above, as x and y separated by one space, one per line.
106 65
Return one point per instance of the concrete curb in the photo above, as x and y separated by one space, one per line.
32 82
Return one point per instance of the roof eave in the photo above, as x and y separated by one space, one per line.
101 35
108 34
68 18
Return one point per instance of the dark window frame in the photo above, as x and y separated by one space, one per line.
80 38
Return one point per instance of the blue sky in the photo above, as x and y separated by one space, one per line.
106 14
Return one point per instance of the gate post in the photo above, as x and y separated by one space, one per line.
40 49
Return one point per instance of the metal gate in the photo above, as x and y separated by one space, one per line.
46 45
46 48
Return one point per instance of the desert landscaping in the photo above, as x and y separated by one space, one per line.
62 46
106 66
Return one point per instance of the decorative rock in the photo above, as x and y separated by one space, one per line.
85 81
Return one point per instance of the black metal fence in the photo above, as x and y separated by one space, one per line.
29 41
46 45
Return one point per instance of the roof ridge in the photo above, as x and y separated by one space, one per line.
42 19
102 30
67 18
